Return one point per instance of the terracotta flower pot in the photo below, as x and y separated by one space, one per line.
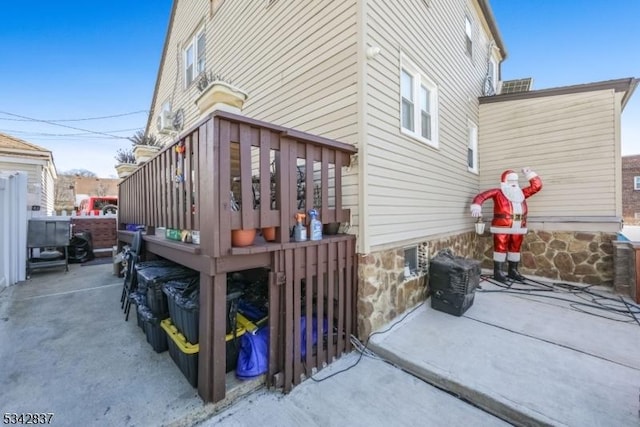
269 234
331 228
242 238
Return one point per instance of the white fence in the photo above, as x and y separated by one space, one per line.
13 227
67 214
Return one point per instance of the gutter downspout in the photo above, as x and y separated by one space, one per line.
363 181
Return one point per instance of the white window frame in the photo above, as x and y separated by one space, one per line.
419 81
468 36
636 182
193 58
494 73
472 147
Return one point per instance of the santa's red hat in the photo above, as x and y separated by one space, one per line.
508 175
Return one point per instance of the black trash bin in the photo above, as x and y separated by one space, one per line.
453 281
152 278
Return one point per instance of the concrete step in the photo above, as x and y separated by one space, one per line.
528 360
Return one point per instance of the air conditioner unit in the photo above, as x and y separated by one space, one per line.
164 122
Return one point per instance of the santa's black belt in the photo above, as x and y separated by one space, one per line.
515 217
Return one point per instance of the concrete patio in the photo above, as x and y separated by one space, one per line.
525 358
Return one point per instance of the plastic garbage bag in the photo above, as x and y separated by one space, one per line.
253 357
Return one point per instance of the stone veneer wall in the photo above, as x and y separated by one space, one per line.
384 292
579 257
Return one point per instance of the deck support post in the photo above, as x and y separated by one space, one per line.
212 354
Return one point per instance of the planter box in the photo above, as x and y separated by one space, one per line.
125 169
220 95
144 153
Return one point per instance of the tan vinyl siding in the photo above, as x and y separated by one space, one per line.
417 191
296 61
569 140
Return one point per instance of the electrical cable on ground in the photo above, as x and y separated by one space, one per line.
364 349
593 300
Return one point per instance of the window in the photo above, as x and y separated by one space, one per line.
468 38
636 182
194 57
491 81
472 148
418 104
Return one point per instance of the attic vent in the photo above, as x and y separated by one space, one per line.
516 86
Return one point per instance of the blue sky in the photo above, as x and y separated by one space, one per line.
73 59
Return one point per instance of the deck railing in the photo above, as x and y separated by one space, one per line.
272 172
231 173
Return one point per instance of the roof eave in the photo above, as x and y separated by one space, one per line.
493 26
161 66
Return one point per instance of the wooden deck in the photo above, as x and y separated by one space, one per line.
231 173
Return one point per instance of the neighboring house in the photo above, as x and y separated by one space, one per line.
412 85
72 188
631 189
37 162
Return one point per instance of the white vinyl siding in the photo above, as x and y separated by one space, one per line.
297 63
569 140
416 192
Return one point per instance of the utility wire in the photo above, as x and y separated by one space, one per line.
76 120
24 132
61 125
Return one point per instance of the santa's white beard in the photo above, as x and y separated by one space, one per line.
514 194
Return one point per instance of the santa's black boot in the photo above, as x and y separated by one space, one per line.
514 273
497 272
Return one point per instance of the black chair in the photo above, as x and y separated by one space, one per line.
130 277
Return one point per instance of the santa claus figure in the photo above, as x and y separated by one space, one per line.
509 224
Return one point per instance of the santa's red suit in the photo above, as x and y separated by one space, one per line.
509 224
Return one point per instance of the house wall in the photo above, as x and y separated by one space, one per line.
630 196
35 181
296 60
416 191
573 142
569 140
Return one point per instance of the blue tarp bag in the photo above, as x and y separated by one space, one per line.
253 359
314 333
